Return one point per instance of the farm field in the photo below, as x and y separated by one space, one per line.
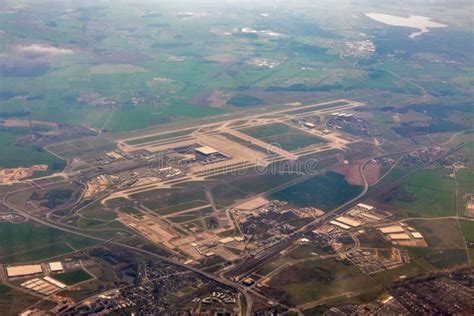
225 140
430 194
40 253
442 233
22 239
317 279
25 155
13 301
323 191
468 230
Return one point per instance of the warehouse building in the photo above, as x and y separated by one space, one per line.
56 266
399 236
365 206
339 224
348 221
25 270
392 229
417 235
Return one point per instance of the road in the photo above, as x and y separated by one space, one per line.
240 288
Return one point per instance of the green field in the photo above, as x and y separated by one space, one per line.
316 279
176 202
284 136
431 194
437 258
13 302
305 251
147 139
190 216
36 254
17 240
25 155
73 277
465 186
226 195
468 230
323 191
97 211
444 233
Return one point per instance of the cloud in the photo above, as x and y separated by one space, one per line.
40 50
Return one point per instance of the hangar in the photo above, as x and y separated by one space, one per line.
206 150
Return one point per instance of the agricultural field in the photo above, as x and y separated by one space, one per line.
30 241
317 279
283 136
226 195
442 233
427 193
212 131
323 191
13 301
25 155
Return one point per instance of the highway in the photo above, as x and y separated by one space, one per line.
240 288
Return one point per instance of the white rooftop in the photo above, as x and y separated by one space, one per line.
56 266
392 229
206 150
24 270
348 221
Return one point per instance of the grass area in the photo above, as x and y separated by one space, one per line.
13 302
313 280
428 193
25 155
440 233
96 211
147 139
373 239
323 191
26 237
226 195
246 143
279 134
305 251
437 258
176 202
130 210
465 186
73 277
40 253
406 271
468 230
191 215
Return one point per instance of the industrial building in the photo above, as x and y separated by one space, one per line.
339 224
348 221
55 282
56 266
392 229
417 235
45 286
24 270
226 240
399 236
365 206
